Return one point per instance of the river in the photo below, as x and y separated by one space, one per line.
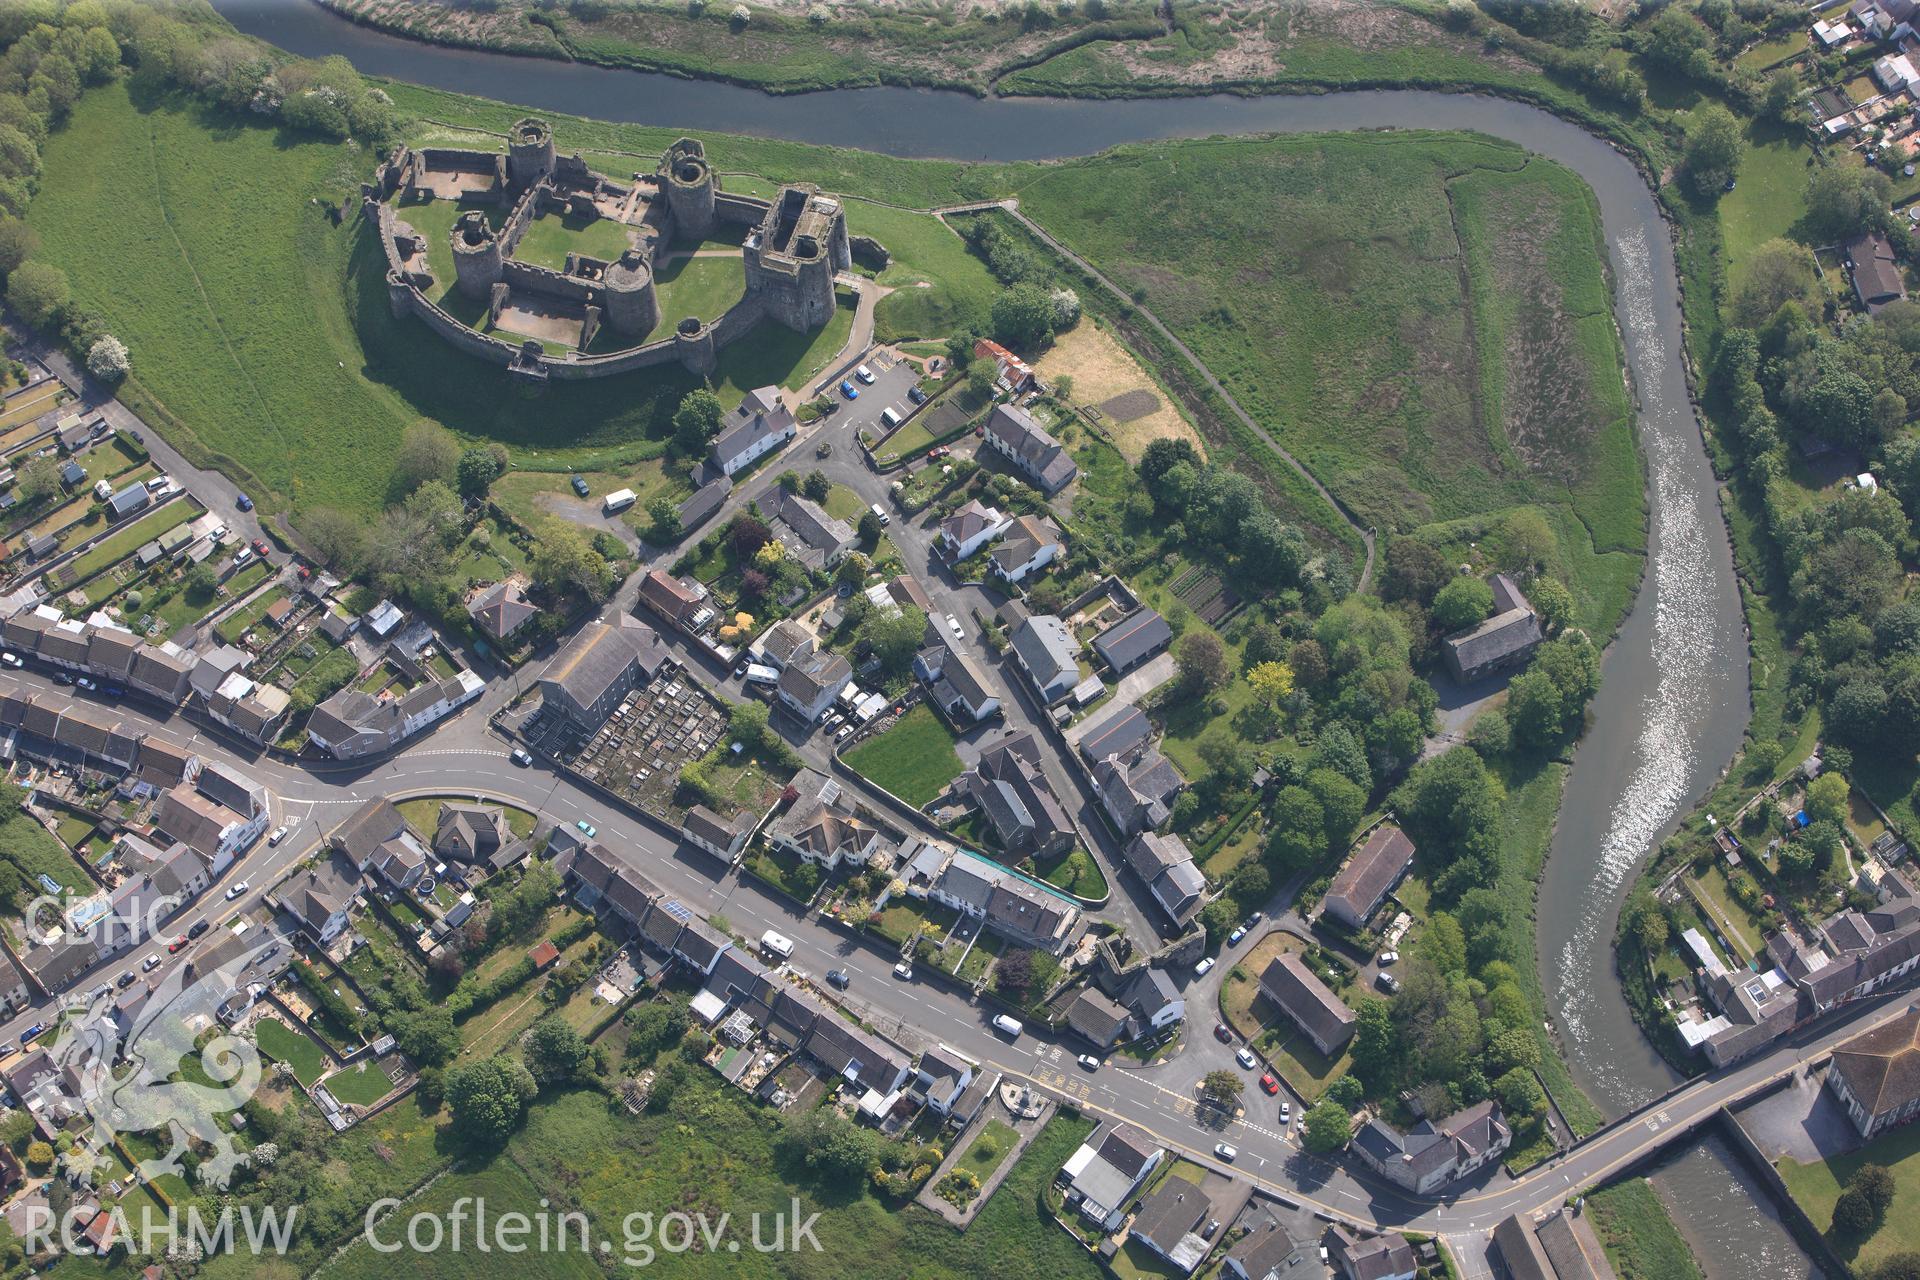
1673 704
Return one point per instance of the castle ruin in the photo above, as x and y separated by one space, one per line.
539 323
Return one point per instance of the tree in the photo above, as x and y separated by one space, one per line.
1297 827
39 292
747 535
869 528
893 637
816 486
40 478
1066 314
1202 661
1462 603
663 519
1713 147
427 1035
563 559
697 420
39 1155
1904 1265
1776 273
1023 317
107 359
1552 601
555 1052
834 1146
1519 1093
427 451
655 1027
1852 1215
1341 803
477 469
1875 1184
1347 1091
1780 100
18 242
1526 541
1377 1048
338 539
1222 1088
1673 40
1827 797
1329 1127
1272 681
489 1098
1647 923
1845 199
982 377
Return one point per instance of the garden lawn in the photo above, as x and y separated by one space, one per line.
1769 193
283 1044
1816 1186
361 1085
117 546
915 759
988 1149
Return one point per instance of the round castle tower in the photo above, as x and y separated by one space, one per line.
693 343
476 255
530 155
690 186
632 307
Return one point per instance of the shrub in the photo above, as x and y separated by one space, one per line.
107 359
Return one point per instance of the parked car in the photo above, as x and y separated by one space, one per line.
199 927
864 374
1088 1062
848 390
260 548
151 963
86 683
11 659
1387 983
1007 1025
1222 1034
31 1032
587 829
173 948
63 677
1244 1056
839 979
1233 939
219 534
243 502
916 395
125 980
903 971
237 888
1286 1114
1226 1152
1389 957
1203 968
1254 919
579 485
1268 1083
279 834
520 757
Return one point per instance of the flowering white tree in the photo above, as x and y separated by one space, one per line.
1066 309
107 359
741 15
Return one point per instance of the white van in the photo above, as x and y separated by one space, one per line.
618 500
777 944
880 514
888 416
1009 1027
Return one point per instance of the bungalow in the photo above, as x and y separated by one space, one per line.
1106 1171
135 497
1369 875
1048 653
1171 1222
759 425
1877 281
502 609
1030 544
1018 436
820 825
1133 640
724 838
477 835
969 529
1297 991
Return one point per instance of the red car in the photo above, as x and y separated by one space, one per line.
260 548
174 946
1221 1033
1268 1083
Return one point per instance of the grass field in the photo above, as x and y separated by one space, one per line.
1639 1237
703 287
1769 193
1817 1186
505 1189
914 759
1381 395
283 1044
552 236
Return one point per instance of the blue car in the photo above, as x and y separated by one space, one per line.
32 1031
848 390
243 502
587 828
580 485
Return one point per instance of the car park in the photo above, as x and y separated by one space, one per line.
587 829
1244 1056
1226 1152
1202 969
848 390
237 888
839 979
1268 1083
864 374
1088 1062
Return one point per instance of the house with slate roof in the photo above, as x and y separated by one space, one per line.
1018 437
1876 1075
